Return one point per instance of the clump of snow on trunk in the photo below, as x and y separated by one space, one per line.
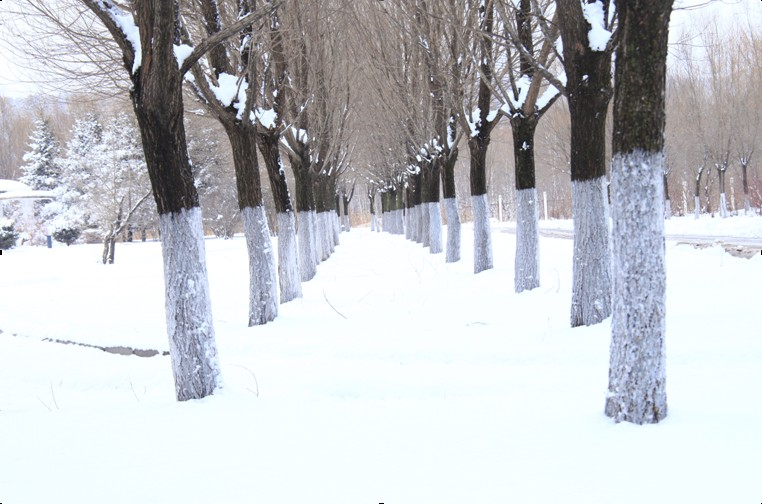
435 228
527 266
591 270
307 248
263 288
453 230
637 371
192 347
288 260
482 234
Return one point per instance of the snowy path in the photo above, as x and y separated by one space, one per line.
397 379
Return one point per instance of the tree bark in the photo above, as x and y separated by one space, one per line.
527 260
637 373
588 90
289 275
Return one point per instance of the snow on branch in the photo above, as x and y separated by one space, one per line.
122 27
210 42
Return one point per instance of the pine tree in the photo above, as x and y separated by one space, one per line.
73 215
42 170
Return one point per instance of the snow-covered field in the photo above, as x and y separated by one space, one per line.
396 379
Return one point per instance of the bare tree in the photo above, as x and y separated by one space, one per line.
525 66
479 120
224 84
146 36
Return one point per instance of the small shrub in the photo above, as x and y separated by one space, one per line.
67 235
8 236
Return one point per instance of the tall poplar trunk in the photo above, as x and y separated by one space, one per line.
157 100
745 181
480 204
451 207
263 288
289 276
637 372
305 206
479 142
527 263
588 89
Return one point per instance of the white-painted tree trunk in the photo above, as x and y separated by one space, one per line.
192 346
435 228
591 270
307 249
347 224
668 209
326 236
263 285
289 274
527 265
399 220
413 226
373 222
336 230
453 230
424 223
637 372
723 205
697 206
482 234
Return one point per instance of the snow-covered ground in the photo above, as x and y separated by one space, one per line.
396 379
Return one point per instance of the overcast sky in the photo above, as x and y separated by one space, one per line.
14 81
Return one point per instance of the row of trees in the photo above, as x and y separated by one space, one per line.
279 78
471 65
265 73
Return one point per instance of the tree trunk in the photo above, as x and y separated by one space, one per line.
723 198
430 200
482 234
527 264
667 201
588 88
289 276
263 289
745 181
591 263
697 195
637 373
451 207
306 239
157 100
480 201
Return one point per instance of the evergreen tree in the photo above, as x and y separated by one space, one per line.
42 172
72 213
41 169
